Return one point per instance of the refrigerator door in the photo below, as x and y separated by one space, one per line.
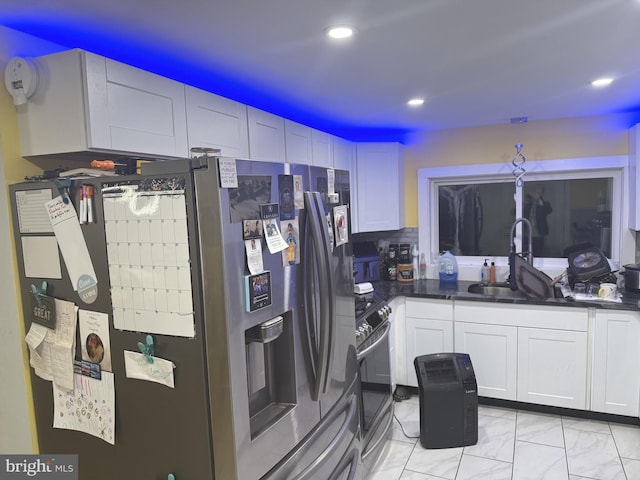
260 393
329 280
158 430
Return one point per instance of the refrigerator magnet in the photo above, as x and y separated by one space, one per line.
285 190
341 225
257 290
253 248
290 230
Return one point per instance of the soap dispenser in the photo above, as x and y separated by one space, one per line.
484 273
492 273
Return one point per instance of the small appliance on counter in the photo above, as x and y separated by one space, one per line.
366 264
631 275
587 263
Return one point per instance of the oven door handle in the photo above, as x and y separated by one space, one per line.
363 353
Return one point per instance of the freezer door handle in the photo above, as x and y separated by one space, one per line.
335 442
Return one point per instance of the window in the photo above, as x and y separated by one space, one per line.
476 219
470 210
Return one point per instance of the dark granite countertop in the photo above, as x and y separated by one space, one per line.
458 291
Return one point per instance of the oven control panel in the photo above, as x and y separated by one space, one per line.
369 325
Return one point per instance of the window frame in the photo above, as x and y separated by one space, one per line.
616 167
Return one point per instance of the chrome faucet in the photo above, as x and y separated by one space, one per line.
513 230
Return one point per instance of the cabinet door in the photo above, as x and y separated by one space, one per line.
616 359
266 136
426 336
322 149
297 142
552 367
217 122
493 351
398 342
380 186
131 110
343 154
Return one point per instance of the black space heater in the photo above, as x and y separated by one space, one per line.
448 400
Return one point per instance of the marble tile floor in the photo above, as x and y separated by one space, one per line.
513 445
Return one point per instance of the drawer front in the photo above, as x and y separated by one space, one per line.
427 308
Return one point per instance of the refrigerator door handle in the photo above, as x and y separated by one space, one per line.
325 289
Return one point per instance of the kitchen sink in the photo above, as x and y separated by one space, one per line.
495 290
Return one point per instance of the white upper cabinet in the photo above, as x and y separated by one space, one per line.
322 148
343 154
297 142
379 177
217 122
88 103
634 177
266 136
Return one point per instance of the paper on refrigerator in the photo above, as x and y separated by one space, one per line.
137 366
89 407
52 351
149 259
73 247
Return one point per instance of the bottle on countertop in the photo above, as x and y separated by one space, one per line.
448 267
492 273
423 267
484 272
392 262
416 264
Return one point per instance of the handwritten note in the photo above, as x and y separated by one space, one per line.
89 407
66 226
137 366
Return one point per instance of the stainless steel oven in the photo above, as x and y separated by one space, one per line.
376 391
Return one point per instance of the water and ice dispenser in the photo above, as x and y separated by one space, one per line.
271 382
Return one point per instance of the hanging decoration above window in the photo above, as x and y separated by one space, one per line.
518 162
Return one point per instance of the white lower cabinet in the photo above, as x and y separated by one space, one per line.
493 350
552 367
429 329
528 353
616 361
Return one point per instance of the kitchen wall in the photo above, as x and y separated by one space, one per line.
542 140
17 432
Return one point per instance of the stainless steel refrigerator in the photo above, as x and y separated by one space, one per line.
266 374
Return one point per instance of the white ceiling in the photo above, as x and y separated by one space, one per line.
476 62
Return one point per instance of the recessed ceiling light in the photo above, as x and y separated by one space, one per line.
340 31
602 82
415 102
